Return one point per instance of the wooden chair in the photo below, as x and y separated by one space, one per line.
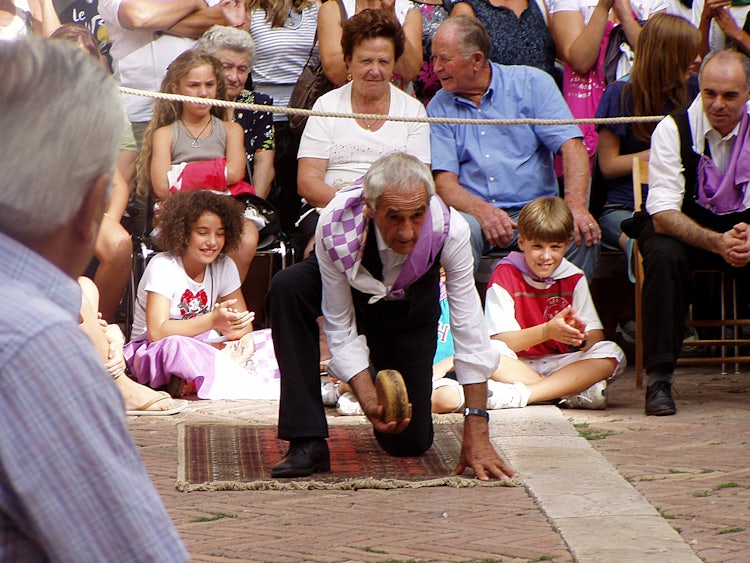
728 322
640 177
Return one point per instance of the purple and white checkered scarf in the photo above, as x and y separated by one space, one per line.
345 230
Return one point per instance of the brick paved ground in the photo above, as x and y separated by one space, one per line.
694 467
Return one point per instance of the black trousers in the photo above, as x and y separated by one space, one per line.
293 303
668 291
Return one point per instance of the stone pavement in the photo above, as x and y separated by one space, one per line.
600 486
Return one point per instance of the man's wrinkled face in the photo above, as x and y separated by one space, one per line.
451 65
399 217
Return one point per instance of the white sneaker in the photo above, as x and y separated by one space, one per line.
349 405
691 333
329 391
507 395
595 398
626 331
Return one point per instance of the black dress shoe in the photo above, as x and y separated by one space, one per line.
659 401
304 458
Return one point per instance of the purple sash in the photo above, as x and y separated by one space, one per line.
723 193
517 259
345 231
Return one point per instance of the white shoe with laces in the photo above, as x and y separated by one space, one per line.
329 392
507 395
594 398
349 405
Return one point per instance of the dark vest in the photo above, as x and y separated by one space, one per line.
690 207
420 309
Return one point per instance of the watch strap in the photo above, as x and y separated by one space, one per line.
476 412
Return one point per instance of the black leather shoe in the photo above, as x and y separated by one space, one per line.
304 458
659 401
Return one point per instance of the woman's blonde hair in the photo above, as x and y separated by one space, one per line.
277 11
167 112
667 47
546 219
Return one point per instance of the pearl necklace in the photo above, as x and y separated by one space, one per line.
196 138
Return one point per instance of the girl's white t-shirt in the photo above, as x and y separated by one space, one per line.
188 298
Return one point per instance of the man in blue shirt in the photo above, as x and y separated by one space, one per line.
72 485
490 172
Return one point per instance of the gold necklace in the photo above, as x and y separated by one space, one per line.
196 138
370 123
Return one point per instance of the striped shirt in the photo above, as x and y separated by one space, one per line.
281 52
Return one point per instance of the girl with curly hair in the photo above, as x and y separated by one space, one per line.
192 146
191 323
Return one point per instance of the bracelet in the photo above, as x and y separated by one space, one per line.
544 332
476 412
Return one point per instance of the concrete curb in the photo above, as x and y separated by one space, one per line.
600 516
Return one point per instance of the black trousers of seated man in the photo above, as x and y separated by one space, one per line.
668 291
401 335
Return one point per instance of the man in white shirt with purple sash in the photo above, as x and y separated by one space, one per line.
379 249
698 201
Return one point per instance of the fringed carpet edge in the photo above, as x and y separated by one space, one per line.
350 484
346 485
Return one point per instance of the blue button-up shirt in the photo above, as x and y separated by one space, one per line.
506 165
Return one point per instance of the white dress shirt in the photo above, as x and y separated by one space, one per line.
475 359
666 179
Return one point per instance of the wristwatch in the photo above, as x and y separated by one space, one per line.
476 412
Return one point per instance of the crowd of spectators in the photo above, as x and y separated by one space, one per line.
357 198
549 59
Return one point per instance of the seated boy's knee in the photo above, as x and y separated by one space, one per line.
447 396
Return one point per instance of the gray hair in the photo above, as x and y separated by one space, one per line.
398 171
224 37
728 54
472 36
61 121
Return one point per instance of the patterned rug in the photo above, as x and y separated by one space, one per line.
227 456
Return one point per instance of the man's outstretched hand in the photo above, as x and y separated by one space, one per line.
478 454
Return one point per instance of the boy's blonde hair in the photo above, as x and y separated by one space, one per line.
546 219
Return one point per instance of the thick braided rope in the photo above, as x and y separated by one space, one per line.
374 116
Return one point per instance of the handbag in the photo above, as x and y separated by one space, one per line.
264 216
311 84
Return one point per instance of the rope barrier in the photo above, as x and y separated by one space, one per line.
374 116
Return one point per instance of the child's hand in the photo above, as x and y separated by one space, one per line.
115 365
231 322
573 320
563 330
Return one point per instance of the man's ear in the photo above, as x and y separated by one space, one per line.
477 60
369 211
